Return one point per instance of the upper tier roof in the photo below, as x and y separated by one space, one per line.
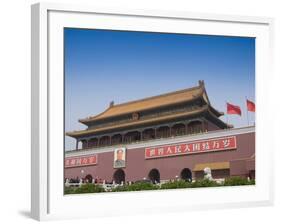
152 102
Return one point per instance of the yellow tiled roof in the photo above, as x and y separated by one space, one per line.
149 103
136 122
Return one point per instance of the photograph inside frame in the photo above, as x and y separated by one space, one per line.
156 111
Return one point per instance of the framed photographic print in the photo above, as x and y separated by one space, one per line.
130 106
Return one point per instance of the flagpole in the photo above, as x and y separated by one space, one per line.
226 114
247 110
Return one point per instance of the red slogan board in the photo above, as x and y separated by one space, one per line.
209 145
81 161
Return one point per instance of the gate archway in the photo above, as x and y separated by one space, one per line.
119 176
154 176
186 174
89 178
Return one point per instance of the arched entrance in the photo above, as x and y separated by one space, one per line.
89 178
154 176
119 176
186 174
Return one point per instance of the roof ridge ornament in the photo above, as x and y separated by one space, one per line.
201 83
111 104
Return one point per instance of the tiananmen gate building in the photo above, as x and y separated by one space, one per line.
173 135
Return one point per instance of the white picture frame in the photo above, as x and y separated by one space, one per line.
48 201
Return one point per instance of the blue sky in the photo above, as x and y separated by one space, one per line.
104 65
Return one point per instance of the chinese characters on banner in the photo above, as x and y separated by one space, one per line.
81 161
191 147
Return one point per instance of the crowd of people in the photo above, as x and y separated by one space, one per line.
78 180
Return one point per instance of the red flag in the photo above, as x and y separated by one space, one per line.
251 106
232 109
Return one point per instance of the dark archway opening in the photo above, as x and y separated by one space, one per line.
88 178
119 176
154 176
186 174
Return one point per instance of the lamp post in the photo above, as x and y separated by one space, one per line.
81 179
82 173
